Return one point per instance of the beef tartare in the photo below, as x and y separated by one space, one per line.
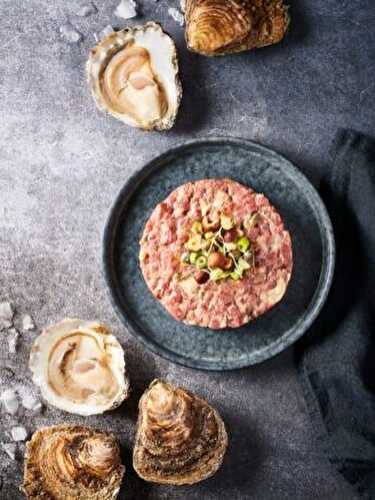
216 254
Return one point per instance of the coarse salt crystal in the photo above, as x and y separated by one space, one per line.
10 401
30 402
19 433
126 9
6 315
177 15
70 34
10 449
12 338
27 323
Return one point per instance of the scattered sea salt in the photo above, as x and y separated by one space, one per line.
30 402
70 34
12 338
87 10
126 9
10 449
19 433
27 323
6 315
177 15
107 30
10 401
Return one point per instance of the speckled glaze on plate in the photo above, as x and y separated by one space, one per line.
304 216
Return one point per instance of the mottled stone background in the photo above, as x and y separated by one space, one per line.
62 163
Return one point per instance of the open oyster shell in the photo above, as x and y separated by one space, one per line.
133 75
70 462
218 27
180 438
79 367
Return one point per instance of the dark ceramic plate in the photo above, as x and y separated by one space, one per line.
304 215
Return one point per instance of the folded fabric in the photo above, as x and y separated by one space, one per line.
336 359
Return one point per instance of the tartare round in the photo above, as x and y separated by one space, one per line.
216 254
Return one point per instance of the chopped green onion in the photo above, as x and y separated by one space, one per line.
217 274
201 262
235 276
243 244
193 257
194 243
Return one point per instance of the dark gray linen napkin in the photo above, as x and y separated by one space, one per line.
336 359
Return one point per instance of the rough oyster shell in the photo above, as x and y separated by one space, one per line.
133 75
218 27
70 462
79 367
180 438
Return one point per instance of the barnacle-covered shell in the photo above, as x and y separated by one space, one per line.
180 438
133 75
70 462
79 367
217 27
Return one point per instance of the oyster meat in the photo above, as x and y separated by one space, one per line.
180 438
218 27
69 462
133 75
79 367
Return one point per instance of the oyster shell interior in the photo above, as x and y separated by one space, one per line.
218 27
69 461
180 438
79 367
133 75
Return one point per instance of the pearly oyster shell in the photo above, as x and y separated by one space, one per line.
180 438
79 367
218 27
69 462
133 75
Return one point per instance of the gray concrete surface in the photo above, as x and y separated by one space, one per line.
62 163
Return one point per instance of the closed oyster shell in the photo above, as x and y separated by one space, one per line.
79 366
218 27
133 75
70 462
180 438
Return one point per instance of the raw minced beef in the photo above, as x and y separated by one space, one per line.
215 304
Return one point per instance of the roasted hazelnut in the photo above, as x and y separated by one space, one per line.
216 259
230 235
201 277
210 225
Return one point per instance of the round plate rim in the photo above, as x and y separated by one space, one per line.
280 344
